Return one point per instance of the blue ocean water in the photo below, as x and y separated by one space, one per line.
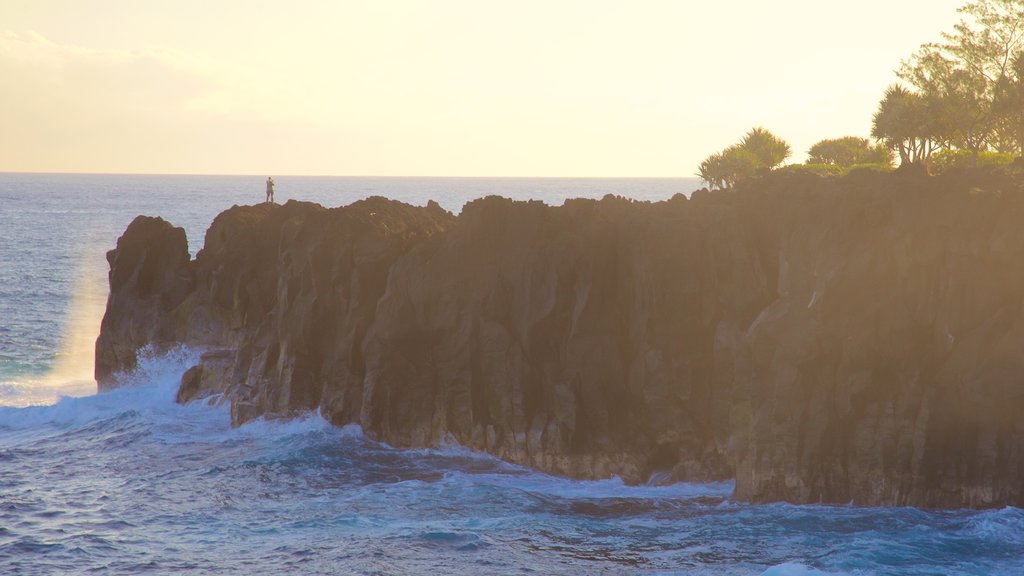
128 482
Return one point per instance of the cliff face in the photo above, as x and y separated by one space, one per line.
890 370
817 340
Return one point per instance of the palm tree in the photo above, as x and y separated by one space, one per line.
767 147
905 124
710 171
726 168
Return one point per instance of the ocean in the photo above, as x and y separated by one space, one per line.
128 482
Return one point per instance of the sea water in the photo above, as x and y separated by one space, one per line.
128 482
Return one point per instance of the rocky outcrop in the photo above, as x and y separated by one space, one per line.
818 340
149 278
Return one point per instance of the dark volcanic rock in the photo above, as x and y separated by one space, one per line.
149 277
889 370
820 340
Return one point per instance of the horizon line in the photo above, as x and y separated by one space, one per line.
381 176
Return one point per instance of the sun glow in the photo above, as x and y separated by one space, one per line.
448 87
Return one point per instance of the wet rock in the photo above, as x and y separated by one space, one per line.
150 276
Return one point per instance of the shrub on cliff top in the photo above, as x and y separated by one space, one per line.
948 159
870 167
769 149
847 151
818 169
759 150
725 169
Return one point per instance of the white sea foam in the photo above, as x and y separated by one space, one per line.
611 488
1005 524
795 569
152 386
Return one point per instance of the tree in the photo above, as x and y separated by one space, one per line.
847 151
960 101
711 171
767 147
726 168
1009 108
906 125
739 163
876 154
759 150
961 76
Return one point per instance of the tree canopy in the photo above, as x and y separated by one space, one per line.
769 149
1009 109
905 124
847 151
966 84
962 97
759 150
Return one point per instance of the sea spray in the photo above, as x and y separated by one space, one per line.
73 362
70 372
130 482
151 386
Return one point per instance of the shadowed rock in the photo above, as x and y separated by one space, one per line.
818 340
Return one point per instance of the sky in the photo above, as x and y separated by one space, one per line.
599 88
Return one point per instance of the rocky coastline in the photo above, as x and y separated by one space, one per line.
819 340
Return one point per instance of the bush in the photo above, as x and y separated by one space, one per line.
758 153
817 169
994 159
948 159
725 169
848 151
870 167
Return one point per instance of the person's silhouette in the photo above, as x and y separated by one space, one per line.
270 189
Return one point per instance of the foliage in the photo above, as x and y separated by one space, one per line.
968 79
819 169
948 159
958 100
711 171
726 168
769 148
906 124
876 154
1009 108
847 151
759 150
870 167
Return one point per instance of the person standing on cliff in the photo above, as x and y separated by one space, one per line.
270 190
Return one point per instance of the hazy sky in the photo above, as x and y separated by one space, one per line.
438 87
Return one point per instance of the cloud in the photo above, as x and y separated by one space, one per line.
77 109
74 106
99 80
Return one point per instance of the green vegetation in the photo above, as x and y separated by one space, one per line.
944 160
847 151
870 167
818 169
760 150
1009 108
905 125
769 149
969 86
962 105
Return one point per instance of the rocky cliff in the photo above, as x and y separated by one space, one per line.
818 340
